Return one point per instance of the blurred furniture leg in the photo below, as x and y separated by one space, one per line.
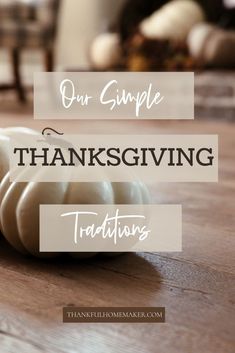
49 60
17 75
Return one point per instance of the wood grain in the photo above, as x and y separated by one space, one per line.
197 286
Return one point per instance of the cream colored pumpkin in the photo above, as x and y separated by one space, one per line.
173 21
105 51
212 46
4 164
5 135
19 203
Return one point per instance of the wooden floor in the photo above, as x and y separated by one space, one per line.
197 286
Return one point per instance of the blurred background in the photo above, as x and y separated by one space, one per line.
126 35
78 24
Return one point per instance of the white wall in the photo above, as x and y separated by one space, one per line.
80 21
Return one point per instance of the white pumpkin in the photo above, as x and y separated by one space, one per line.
5 135
173 21
212 46
4 164
19 202
4 142
105 52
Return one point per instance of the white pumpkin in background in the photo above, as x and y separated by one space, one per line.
19 202
105 51
173 21
212 46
